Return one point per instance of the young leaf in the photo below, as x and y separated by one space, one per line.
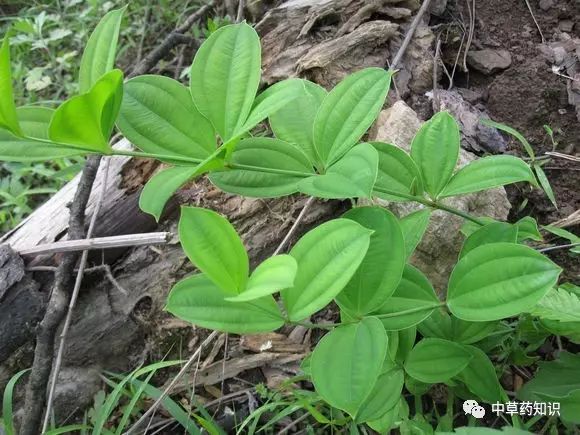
380 272
99 55
268 154
213 245
514 133
348 111
545 184
8 117
346 381
434 360
528 229
87 120
384 396
480 377
294 121
271 100
19 149
413 301
353 176
490 233
414 226
34 121
486 173
198 300
158 116
435 150
274 274
225 75
559 305
499 280
397 173
327 258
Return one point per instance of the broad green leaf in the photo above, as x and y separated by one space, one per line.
545 184
274 274
19 149
348 111
384 396
437 325
435 360
490 233
327 257
414 226
558 304
397 173
499 280
406 341
413 301
158 116
353 176
99 55
569 405
346 381
225 75
486 173
273 156
271 100
480 377
513 132
198 300
34 121
528 229
471 332
8 117
384 424
213 245
294 122
435 150
87 120
470 227
380 272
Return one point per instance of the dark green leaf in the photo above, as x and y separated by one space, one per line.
490 233
384 396
434 360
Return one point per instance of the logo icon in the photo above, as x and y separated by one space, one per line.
473 408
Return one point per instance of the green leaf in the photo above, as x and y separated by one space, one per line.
413 301
8 117
346 382
470 227
7 402
397 173
490 233
405 342
560 305
380 272
198 300
225 75
437 325
560 232
99 55
274 274
470 332
545 184
434 360
384 396
499 280
348 111
414 226
486 173
273 99
513 132
18 149
569 405
213 245
480 377
384 424
270 155
327 257
294 122
87 120
528 229
353 176
34 121
158 116
435 150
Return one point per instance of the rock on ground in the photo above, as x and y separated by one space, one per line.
438 251
488 61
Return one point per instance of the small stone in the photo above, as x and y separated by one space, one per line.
562 111
559 55
566 25
438 7
546 4
489 61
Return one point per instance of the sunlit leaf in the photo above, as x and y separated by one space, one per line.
8 117
34 121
